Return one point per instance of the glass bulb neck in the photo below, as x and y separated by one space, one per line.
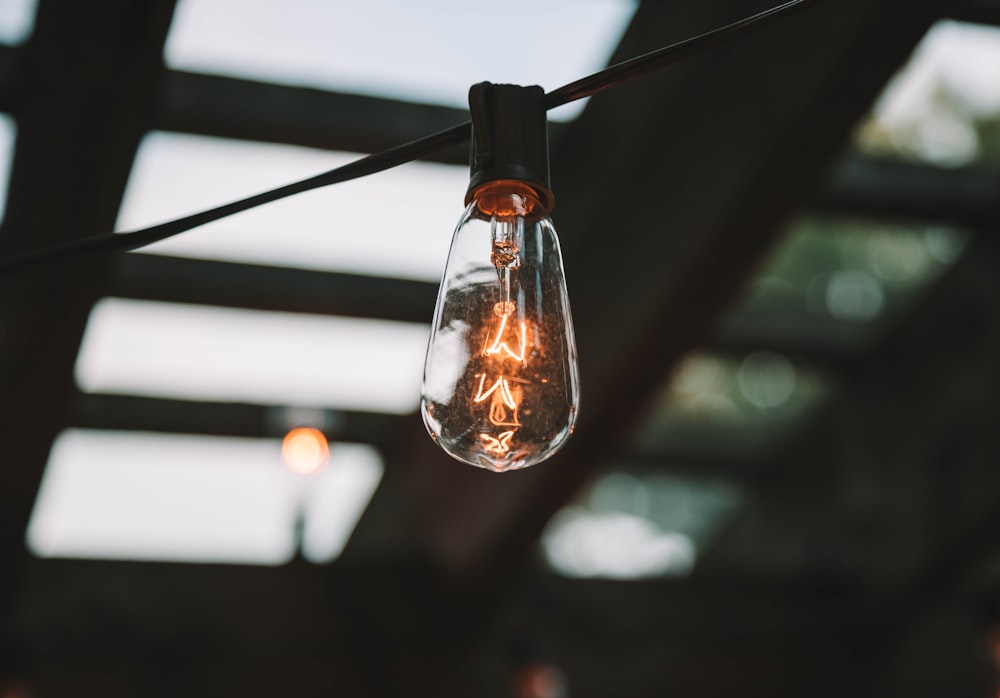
542 200
506 199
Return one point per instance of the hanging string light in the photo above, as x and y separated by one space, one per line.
501 387
592 84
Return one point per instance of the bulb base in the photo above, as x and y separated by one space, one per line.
509 139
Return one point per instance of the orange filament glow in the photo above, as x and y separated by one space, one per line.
500 416
506 199
305 450
505 402
499 346
499 445
502 385
510 341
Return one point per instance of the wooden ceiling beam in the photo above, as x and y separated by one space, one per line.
135 413
85 85
900 190
226 107
9 57
256 287
979 11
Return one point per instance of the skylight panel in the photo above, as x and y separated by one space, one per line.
208 353
8 136
730 406
832 286
181 498
416 51
942 107
17 19
638 525
395 223
836 280
335 498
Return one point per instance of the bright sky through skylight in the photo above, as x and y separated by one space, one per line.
615 545
632 527
118 495
17 19
966 57
429 51
8 136
394 223
208 353
935 106
336 497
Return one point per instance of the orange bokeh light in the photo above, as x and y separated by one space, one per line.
540 681
305 450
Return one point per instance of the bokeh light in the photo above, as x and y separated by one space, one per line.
305 450
766 379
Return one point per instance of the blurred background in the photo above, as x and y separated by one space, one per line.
783 263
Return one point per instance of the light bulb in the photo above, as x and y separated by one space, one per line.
500 386
500 382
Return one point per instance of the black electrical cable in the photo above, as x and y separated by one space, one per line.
626 71
120 242
598 82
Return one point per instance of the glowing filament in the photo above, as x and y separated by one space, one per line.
502 385
498 445
500 346
504 401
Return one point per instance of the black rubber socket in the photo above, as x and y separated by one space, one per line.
509 138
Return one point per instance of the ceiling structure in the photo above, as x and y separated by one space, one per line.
847 454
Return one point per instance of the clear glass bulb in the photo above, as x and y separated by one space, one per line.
501 386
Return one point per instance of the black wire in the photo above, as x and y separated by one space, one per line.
592 84
626 71
113 242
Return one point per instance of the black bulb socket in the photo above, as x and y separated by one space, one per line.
510 139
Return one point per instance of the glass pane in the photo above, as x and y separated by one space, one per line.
834 281
429 51
8 136
638 525
17 19
138 496
396 223
729 407
830 288
335 498
943 106
209 353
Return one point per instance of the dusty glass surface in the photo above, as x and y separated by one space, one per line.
501 389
